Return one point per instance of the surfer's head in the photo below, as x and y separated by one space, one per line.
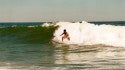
64 30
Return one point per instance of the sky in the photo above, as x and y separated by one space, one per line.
61 10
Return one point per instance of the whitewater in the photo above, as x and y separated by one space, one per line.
84 33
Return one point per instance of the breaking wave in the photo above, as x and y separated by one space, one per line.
81 33
85 33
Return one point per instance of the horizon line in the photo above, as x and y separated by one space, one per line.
63 21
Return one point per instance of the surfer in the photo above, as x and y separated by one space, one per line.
66 35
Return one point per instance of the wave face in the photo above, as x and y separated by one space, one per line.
85 33
26 34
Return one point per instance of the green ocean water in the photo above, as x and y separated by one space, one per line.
28 46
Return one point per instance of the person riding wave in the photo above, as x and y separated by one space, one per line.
66 35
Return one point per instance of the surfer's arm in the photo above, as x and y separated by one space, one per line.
61 34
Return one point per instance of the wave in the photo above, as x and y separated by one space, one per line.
81 33
85 33
26 34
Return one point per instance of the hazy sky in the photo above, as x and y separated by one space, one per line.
62 10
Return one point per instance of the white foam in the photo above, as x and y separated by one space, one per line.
47 24
88 34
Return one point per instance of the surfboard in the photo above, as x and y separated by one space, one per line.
58 42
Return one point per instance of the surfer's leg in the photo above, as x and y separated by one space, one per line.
63 38
69 38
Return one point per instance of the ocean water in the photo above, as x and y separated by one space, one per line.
93 46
